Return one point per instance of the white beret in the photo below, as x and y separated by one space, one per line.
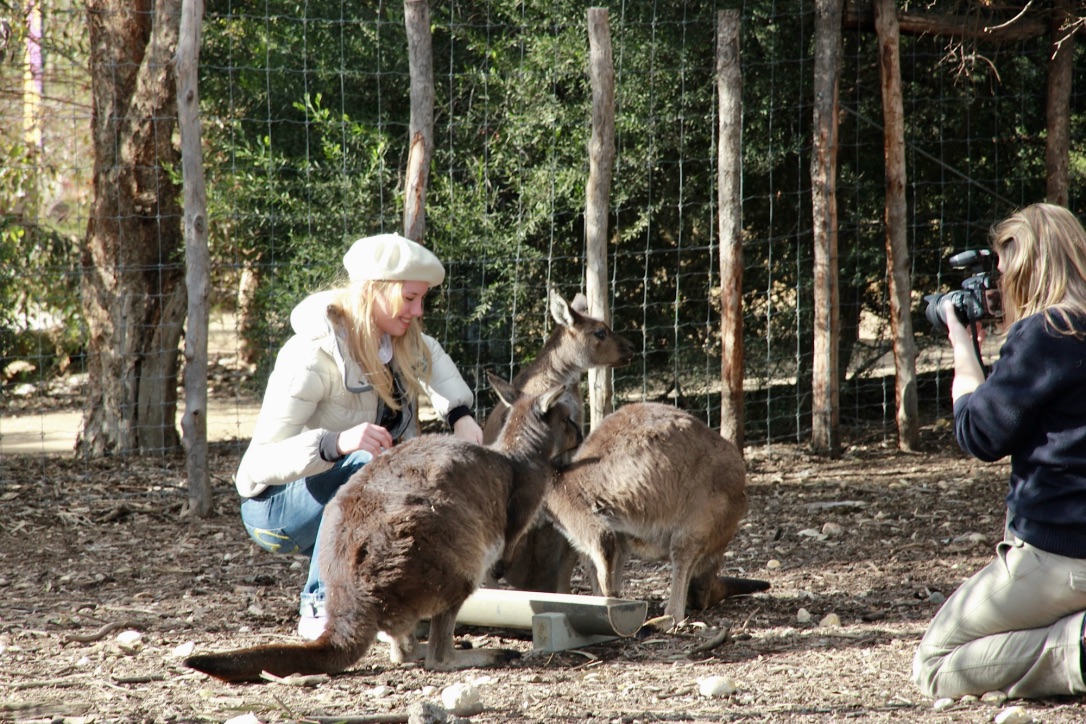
391 257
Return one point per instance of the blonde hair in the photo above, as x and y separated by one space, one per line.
353 309
1042 249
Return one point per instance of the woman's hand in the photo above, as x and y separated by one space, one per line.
466 428
374 439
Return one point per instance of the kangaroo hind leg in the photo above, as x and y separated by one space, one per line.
442 654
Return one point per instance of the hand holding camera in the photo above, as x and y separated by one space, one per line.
978 299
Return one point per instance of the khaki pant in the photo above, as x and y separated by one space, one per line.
1016 627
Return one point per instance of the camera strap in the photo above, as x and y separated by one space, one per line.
976 346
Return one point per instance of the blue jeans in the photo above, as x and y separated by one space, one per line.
287 519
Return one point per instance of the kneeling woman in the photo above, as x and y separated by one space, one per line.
345 388
1017 625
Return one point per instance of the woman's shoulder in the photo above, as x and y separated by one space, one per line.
1049 334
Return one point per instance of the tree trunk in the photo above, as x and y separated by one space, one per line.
897 247
601 164
1058 114
133 273
420 58
826 412
197 260
729 171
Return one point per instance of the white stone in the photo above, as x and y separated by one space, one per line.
183 650
1014 715
246 718
994 698
803 616
773 564
129 641
832 529
716 686
461 699
943 704
830 620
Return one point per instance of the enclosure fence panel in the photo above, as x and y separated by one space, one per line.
305 110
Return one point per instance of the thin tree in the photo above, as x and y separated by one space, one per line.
826 413
730 209
197 259
897 249
601 163
421 134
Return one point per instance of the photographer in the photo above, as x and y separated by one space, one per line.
1017 625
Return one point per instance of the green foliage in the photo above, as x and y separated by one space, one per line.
41 324
308 109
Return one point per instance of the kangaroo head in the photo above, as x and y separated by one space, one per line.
543 421
588 339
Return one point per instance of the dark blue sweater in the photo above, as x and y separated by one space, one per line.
1033 408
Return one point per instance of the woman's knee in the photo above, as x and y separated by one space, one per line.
273 540
926 672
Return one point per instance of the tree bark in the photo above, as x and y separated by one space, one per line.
1058 110
197 259
729 171
826 413
601 163
133 296
897 249
421 141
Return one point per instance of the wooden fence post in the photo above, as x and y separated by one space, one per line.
601 162
197 259
729 173
421 132
897 248
825 412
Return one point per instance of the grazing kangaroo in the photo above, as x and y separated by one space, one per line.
544 561
411 535
654 480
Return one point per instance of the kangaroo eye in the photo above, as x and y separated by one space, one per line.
600 334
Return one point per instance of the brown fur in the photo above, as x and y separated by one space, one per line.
411 536
655 481
544 561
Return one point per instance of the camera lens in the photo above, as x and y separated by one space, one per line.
934 313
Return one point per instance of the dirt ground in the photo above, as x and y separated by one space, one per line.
92 550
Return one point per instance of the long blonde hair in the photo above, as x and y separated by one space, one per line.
1043 253
353 310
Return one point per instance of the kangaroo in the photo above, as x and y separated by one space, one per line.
654 480
577 342
545 561
411 535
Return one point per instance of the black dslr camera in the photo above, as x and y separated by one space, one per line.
978 299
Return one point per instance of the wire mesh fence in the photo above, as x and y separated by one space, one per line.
305 111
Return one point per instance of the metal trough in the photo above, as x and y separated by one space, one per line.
558 621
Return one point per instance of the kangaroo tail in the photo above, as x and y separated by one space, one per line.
740 586
323 656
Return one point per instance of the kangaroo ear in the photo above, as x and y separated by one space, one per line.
561 311
551 397
505 390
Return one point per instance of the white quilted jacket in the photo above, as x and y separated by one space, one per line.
308 395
